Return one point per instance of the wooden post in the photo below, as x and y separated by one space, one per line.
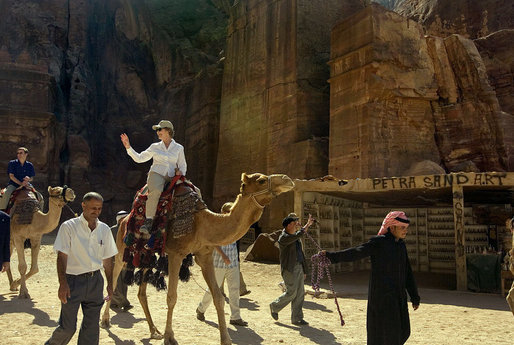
417 242
298 205
460 238
426 240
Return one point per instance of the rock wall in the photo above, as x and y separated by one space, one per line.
497 54
26 105
467 129
398 98
469 18
254 97
120 66
274 105
381 88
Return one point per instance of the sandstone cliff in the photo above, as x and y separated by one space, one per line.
469 18
116 66
274 105
245 83
410 98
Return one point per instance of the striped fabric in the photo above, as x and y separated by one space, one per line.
230 251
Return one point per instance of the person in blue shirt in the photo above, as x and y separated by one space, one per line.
21 172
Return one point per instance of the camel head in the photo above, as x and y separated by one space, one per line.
263 188
65 193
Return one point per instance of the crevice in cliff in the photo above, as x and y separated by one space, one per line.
65 86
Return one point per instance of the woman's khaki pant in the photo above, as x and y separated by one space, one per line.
155 184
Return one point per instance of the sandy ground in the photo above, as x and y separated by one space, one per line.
444 317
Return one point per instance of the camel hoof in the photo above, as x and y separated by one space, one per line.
170 341
156 336
105 324
24 295
15 284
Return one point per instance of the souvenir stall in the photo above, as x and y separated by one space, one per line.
457 220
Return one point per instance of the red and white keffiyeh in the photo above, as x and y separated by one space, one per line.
393 218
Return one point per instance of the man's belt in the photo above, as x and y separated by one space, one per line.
87 274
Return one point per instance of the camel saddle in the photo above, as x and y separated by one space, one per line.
176 208
24 202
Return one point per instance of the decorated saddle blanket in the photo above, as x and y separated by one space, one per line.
176 208
23 203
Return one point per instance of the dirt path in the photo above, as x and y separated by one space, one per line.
444 317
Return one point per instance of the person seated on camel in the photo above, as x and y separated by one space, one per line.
168 161
21 173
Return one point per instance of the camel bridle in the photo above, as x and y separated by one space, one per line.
264 191
61 195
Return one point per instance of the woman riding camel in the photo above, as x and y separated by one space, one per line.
168 161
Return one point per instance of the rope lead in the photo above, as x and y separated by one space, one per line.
321 263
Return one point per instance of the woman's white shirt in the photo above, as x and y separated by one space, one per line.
165 160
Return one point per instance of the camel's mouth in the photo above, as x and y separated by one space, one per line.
283 183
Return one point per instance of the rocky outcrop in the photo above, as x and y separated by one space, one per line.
497 52
74 75
112 67
26 105
469 18
274 105
399 98
265 248
381 88
468 129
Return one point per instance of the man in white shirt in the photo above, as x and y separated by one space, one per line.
84 245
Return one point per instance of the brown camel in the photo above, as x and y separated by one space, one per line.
210 229
42 223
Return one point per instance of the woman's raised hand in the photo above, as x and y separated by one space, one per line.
125 140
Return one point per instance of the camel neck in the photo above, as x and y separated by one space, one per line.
243 214
50 220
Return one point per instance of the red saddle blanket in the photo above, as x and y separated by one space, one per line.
140 250
23 202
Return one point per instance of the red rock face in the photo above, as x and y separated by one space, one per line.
381 89
497 54
109 69
274 105
396 102
468 18
398 98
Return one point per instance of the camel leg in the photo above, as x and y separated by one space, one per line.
22 267
205 262
8 271
105 321
141 295
174 262
9 276
35 246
